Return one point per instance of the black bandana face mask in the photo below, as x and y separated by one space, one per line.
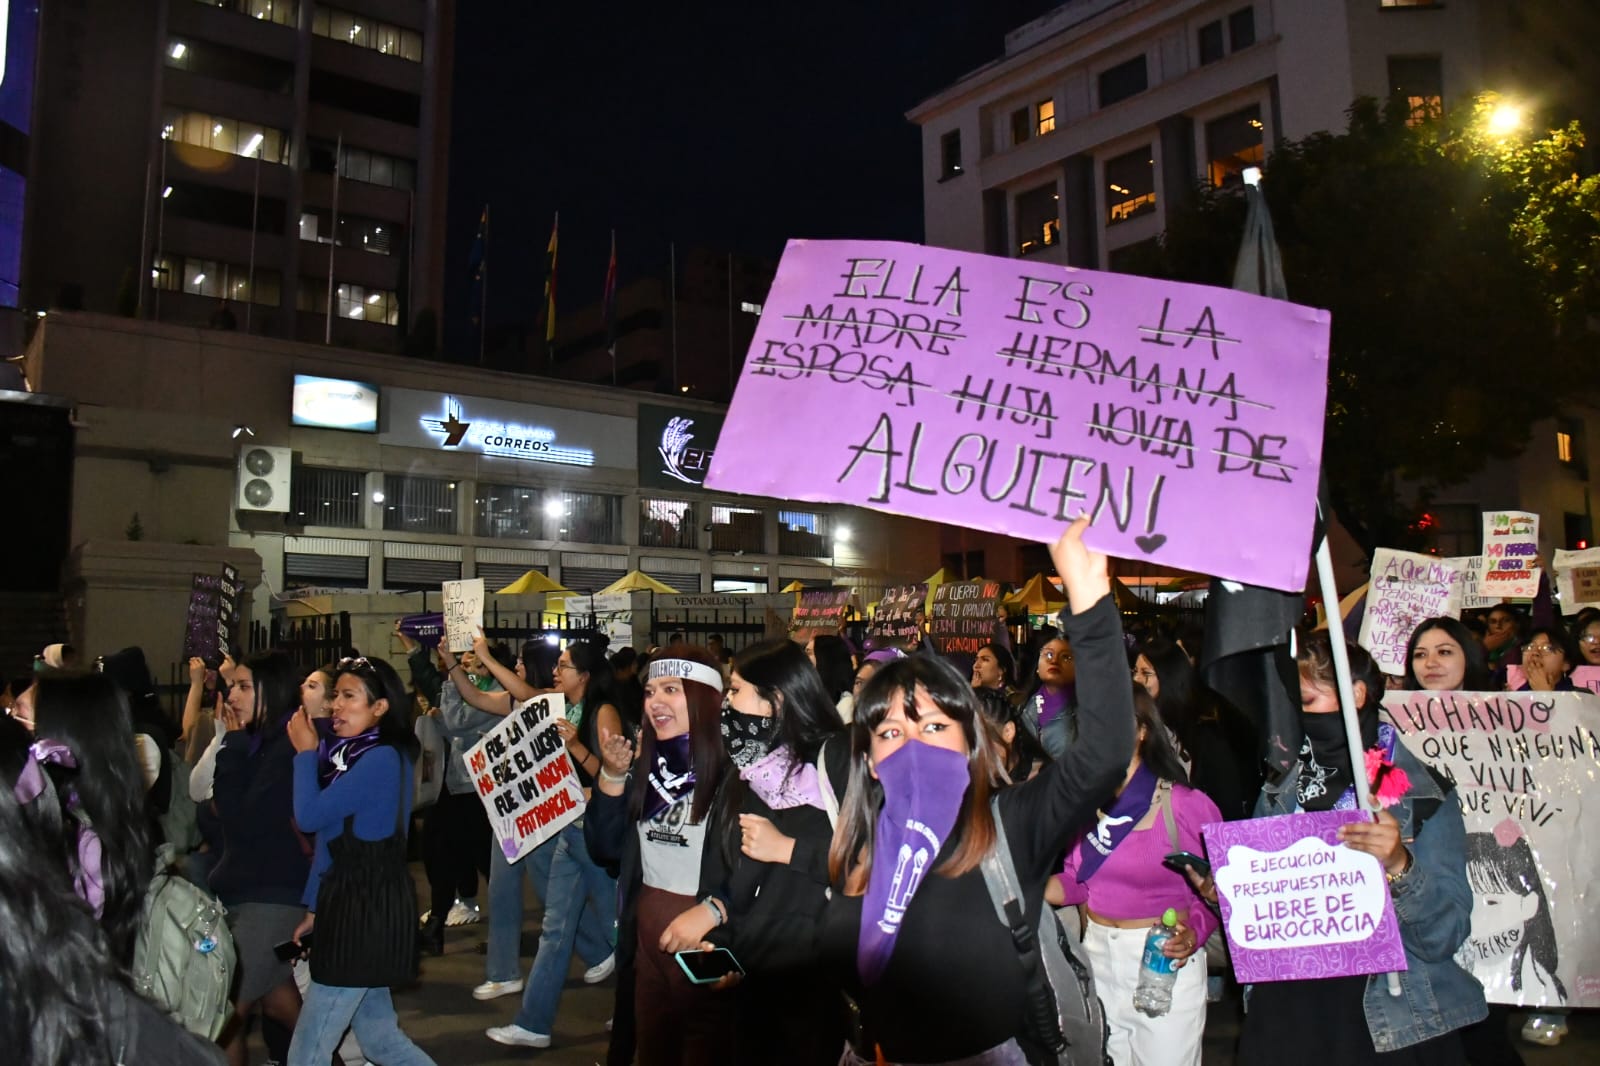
748 737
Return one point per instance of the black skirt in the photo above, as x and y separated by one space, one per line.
1326 1019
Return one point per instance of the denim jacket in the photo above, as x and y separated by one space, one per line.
1433 903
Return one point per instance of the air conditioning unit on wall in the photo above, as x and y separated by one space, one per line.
263 483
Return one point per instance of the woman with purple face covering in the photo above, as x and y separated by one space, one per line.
910 905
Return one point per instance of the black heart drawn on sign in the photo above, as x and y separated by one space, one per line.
1149 544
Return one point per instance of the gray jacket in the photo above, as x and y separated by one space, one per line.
464 725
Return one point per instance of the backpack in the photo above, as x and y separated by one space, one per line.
1066 1023
180 822
183 957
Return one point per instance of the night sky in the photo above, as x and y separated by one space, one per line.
716 125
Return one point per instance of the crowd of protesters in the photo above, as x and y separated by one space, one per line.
811 821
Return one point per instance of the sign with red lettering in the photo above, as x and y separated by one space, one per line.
1510 546
523 775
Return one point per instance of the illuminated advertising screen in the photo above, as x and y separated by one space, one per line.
334 403
19 23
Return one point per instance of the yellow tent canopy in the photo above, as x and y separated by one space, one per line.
532 581
1125 598
637 581
794 586
1039 596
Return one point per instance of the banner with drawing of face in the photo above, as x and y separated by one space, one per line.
1525 769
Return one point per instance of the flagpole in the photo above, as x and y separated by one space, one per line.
333 243
483 288
161 226
550 291
255 214
146 275
672 282
611 270
730 325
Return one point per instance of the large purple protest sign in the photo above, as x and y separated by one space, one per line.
1297 904
1013 396
426 629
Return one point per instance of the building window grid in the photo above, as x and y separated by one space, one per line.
282 12
419 504
1130 185
1241 29
515 511
1419 81
210 277
1045 110
369 234
368 305
1210 41
666 523
222 134
363 32
805 533
586 518
1021 127
319 496
950 154
1234 142
374 168
737 529
1126 79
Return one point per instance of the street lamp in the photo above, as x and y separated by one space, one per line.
1504 120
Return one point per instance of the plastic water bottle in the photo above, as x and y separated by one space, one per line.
1157 973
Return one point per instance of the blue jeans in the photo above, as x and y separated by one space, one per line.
505 912
576 884
328 1011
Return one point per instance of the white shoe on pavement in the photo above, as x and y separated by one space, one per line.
600 970
496 989
517 1036
463 912
1545 1030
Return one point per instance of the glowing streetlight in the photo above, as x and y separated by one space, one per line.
1504 120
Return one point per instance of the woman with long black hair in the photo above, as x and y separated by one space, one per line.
830 654
784 803
89 714
576 883
353 790
66 1001
911 924
1215 740
262 871
659 819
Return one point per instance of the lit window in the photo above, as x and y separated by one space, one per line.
364 32
1047 117
666 523
1038 219
282 12
367 305
1419 82
1233 143
1130 185
1564 447
1408 3
222 134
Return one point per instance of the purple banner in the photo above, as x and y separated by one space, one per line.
1297 904
425 629
1012 396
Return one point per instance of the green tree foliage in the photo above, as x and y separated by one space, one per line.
1460 269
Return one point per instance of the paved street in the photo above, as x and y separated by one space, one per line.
441 1015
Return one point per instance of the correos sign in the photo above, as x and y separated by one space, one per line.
507 430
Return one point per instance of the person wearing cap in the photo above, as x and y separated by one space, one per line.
658 818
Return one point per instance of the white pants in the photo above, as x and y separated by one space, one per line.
1136 1038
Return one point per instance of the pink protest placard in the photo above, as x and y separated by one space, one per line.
1012 396
1297 904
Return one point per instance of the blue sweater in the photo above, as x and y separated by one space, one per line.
369 790
263 858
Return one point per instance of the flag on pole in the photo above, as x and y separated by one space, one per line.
478 264
550 290
608 300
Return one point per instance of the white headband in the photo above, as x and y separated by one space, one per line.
688 669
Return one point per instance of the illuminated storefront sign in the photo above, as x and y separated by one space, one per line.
503 429
460 428
676 445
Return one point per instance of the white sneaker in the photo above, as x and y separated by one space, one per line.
496 989
517 1036
1545 1030
600 970
463 912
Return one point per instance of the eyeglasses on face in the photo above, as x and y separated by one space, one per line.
1589 638
1053 656
566 666
1543 649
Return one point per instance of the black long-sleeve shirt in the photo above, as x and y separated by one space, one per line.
954 985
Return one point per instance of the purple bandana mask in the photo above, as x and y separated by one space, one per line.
336 755
923 787
781 784
32 782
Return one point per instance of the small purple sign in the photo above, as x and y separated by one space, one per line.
1297 904
425 629
1012 396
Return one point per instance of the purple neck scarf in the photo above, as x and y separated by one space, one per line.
923 787
1050 703
1117 821
32 783
672 777
782 784
336 755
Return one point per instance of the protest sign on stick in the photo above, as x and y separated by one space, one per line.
1297 903
1524 765
819 611
613 616
1577 578
463 613
1012 397
964 616
426 629
203 620
521 772
899 616
1406 588
1510 542
1468 580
